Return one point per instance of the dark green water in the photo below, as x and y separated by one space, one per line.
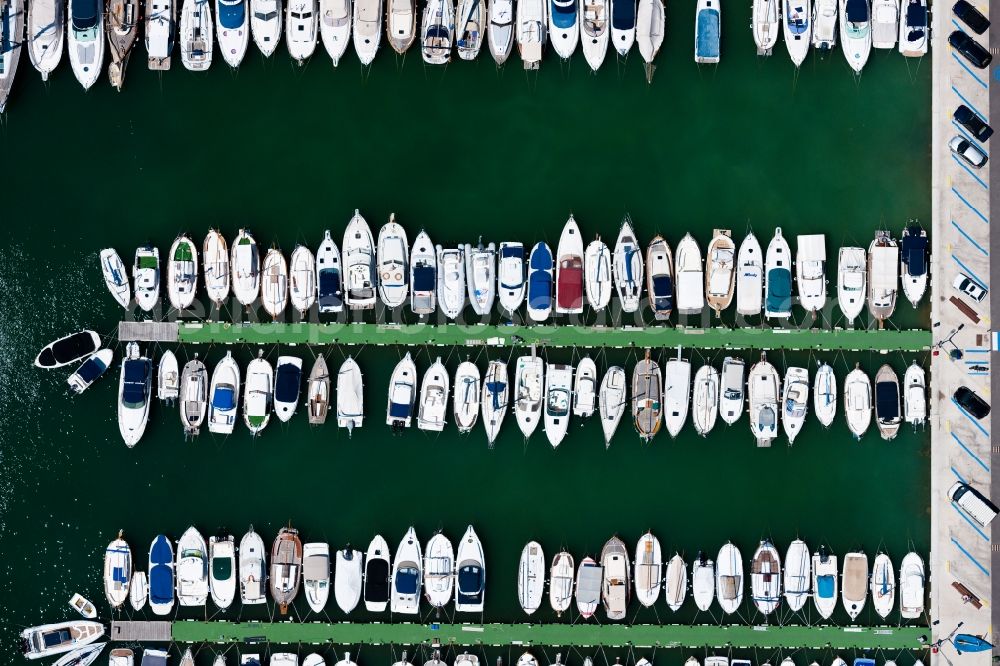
461 151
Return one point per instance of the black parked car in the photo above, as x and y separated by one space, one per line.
971 17
968 119
971 402
971 49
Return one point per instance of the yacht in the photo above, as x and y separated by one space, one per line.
423 276
824 582
335 27
406 576
720 270
528 382
494 401
367 30
797 23
85 39
648 569
253 569
729 578
561 582
824 28
616 585
232 26
329 276
825 395
810 271
851 281
359 264
274 283
914 28
595 32
48 640
286 567
480 273
883 276
258 395
651 25
705 399
647 396
244 265
192 569
182 271
401 24
161 576
611 401
558 387
798 575
795 401
564 26
585 388
690 277
437 32
855 32
439 571
222 570
915 396
765 23
470 574
854 591
470 27
318 392
569 270
348 581
467 390
434 392
623 17
265 25
732 382
707 31
376 577
749 277
301 29
160 32
765 578
316 577
451 281
531 577
541 268
402 393
196 35
134 386
888 414
589 577
762 389
224 396
500 33
858 401
302 280
350 396
393 261
676 393
287 384
914 264
885 23
45 36
511 277
660 278
778 278
597 271
531 36
627 268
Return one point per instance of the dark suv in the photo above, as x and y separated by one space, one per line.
971 17
977 127
971 402
971 49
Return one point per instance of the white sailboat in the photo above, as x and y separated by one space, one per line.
765 24
470 574
46 31
729 578
393 260
595 32
690 276
528 382
335 27
494 399
795 401
648 569
224 396
798 575
677 393
732 381
797 23
883 585
159 33
274 283
825 395
597 266
196 35
258 394
628 268
434 392
480 273
138 591
406 576
423 275
359 264
588 586
402 393
585 388
705 398
470 24
810 271
301 29
367 29
511 277
531 577
915 396
350 396
676 582
244 264
858 401
302 280
651 25
437 32
451 281
329 276
612 399
778 278
439 571
467 390
561 582
763 392
500 33
558 388
749 277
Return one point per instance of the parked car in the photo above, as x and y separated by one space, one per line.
971 121
971 17
970 287
972 50
970 401
973 502
967 151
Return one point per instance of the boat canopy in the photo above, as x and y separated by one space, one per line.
135 384
377 580
623 15
496 389
689 294
588 585
779 290
707 42
423 277
887 400
159 658
224 398
857 11
885 267
824 586
471 581
91 369
68 349
915 254
232 13
222 568
399 410
286 383
570 286
539 289
161 584
564 13
316 567
916 19
406 580
811 247
516 251
330 289
85 14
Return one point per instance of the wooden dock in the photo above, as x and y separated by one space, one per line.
147 331
151 632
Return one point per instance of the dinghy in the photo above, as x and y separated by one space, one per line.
585 388
117 571
501 29
301 29
564 26
810 269
597 264
393 257
244 263
778 278
627 267
402 393
84 39
318 392
707 31
192 569
825 395
258 394
451 281
594 31
885 23
494 399
651 25
531 577
133 394
287 383
851 281
854 592
528 381
406 576
90 370
762 390
115 276
146 277
433 398
913 28
705 409
588 587
858 401
720 270
161 19
138 591
335 27
253 569
883 585
703 582
913 268
302 280
677 393
480 272
329 277
232 26
915 396
561 582
350 396
222 570
359 264
855 32
423 276
439 571
274 283
348 577
729 578
732 402
511 277
367 29
887 408
377 573
48 640
558 385
765 578
616 585
911 587
215 267
466 396
286 568
168 378
122 657
623 16
470 22
749 277
224 396
798 575
46 32
182 270
647 394
470 574
660 278
541 269
68 349
531 34
765 23
569 270
824 29
676 582
611 401
196 35
690 277
797 24
795 401
401 24
648 569
437 32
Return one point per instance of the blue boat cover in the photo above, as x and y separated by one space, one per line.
623 14
541 258
91 369
916 17
161 576
136 376
858 11
539 289
496 389
915 253
970 643
159 658
887 400
629 278
330 290
424 278
512 251
231 13
564 13
860 661
399 410
406 581
286 383
471 581
663 293
779 290
224 398
707 45
824 586
85 14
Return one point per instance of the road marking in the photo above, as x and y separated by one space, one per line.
969 451
969 104
971 418
966 68
958 476
974 209
971 524
969 555
968 137
977 350
969 271
969 171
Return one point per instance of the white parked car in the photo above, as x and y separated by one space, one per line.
967 151
970 287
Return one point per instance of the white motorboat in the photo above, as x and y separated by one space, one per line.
138 591
561 582
85 39
749 277
253 569
302 280
274 283
765 578
46 32
224 396
651 26
196 35
451 281
558 388
616 586
885 23
403 393
393 256
258 394
359 264
232 27
511 277
367 29
589 577
161 576
732 398
564 26
911 586
350 396
377 575
423 275
500 33
168 378
134 385
287 384
146 277
434 392
585 388
597 268
222 570
90 370
121 657
763 392
647 395
528 382
406 576
888 414
798 575
161 18
825 395
495 399
335 27
318 391
531 34
915 396
192 569
244 264
855 32
778 278
115 276
676 582
182 270
914 28
705 399
729 578
795 401
531 577
437 32
301 29
569 270
851 281
117 571
854 591
765 24
470 574
467 390
265 25
913 264
883 585
401 24
676 393
660 278
883 276
541 270
611 401
480 273
648 569
348 577
628 268
48 640
707 31
720 270
623 19
858 401
595 33
703 582
810 266
470 24
215 266
690 276
824 29
439 571
797 23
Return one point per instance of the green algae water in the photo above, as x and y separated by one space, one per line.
460 151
